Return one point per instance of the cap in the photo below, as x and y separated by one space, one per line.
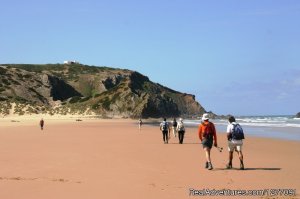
205 116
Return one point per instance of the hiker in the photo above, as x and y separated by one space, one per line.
42 124
174 126
140 123
181 130
208 136
164 127
235 136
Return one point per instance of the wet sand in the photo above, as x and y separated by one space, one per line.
113 159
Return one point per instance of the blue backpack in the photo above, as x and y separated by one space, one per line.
237 132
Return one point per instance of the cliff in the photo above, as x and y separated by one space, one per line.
82 89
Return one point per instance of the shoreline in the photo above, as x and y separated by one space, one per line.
289 134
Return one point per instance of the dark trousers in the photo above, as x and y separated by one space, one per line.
165 136
181 136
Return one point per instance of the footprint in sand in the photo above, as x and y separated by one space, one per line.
230 181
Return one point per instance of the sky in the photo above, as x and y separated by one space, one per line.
236 57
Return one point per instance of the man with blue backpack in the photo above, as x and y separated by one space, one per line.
235 136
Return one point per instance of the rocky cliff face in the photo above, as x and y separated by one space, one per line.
80 89
298 115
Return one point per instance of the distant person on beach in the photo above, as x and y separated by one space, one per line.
181 130
165 129
208 136
140 123
235 136
42 124
174 126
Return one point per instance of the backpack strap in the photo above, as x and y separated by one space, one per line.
209 131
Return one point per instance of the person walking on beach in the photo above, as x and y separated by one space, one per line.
235 136
208 136
140 124
181 130
42 124
165 129
174 126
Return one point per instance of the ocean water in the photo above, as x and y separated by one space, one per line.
280 127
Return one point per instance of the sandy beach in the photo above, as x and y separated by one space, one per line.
113 159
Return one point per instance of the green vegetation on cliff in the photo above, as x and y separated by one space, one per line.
82 89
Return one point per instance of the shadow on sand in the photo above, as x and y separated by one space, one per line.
238 169
185 143
249 169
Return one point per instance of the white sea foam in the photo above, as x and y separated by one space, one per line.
280 125
268 126
278 122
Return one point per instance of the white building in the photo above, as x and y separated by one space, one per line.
71 62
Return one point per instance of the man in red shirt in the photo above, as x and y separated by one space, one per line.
208 136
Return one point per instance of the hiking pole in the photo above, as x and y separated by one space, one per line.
219 148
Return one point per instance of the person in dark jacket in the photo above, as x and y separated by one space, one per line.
165 129
42 123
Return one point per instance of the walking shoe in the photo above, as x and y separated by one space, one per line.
229 166
242 166
206 165
210 167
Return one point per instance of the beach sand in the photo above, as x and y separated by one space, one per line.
113 159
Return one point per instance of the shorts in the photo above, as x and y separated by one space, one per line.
207 142
235 145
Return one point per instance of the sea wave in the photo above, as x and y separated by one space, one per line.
270 125
261 121
276 127
279 122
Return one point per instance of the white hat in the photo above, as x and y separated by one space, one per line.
180 119
205 116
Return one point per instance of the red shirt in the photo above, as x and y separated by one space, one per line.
207 126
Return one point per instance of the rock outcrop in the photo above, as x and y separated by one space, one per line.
81 89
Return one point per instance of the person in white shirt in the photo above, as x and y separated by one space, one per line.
235 143
140 124
181 130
